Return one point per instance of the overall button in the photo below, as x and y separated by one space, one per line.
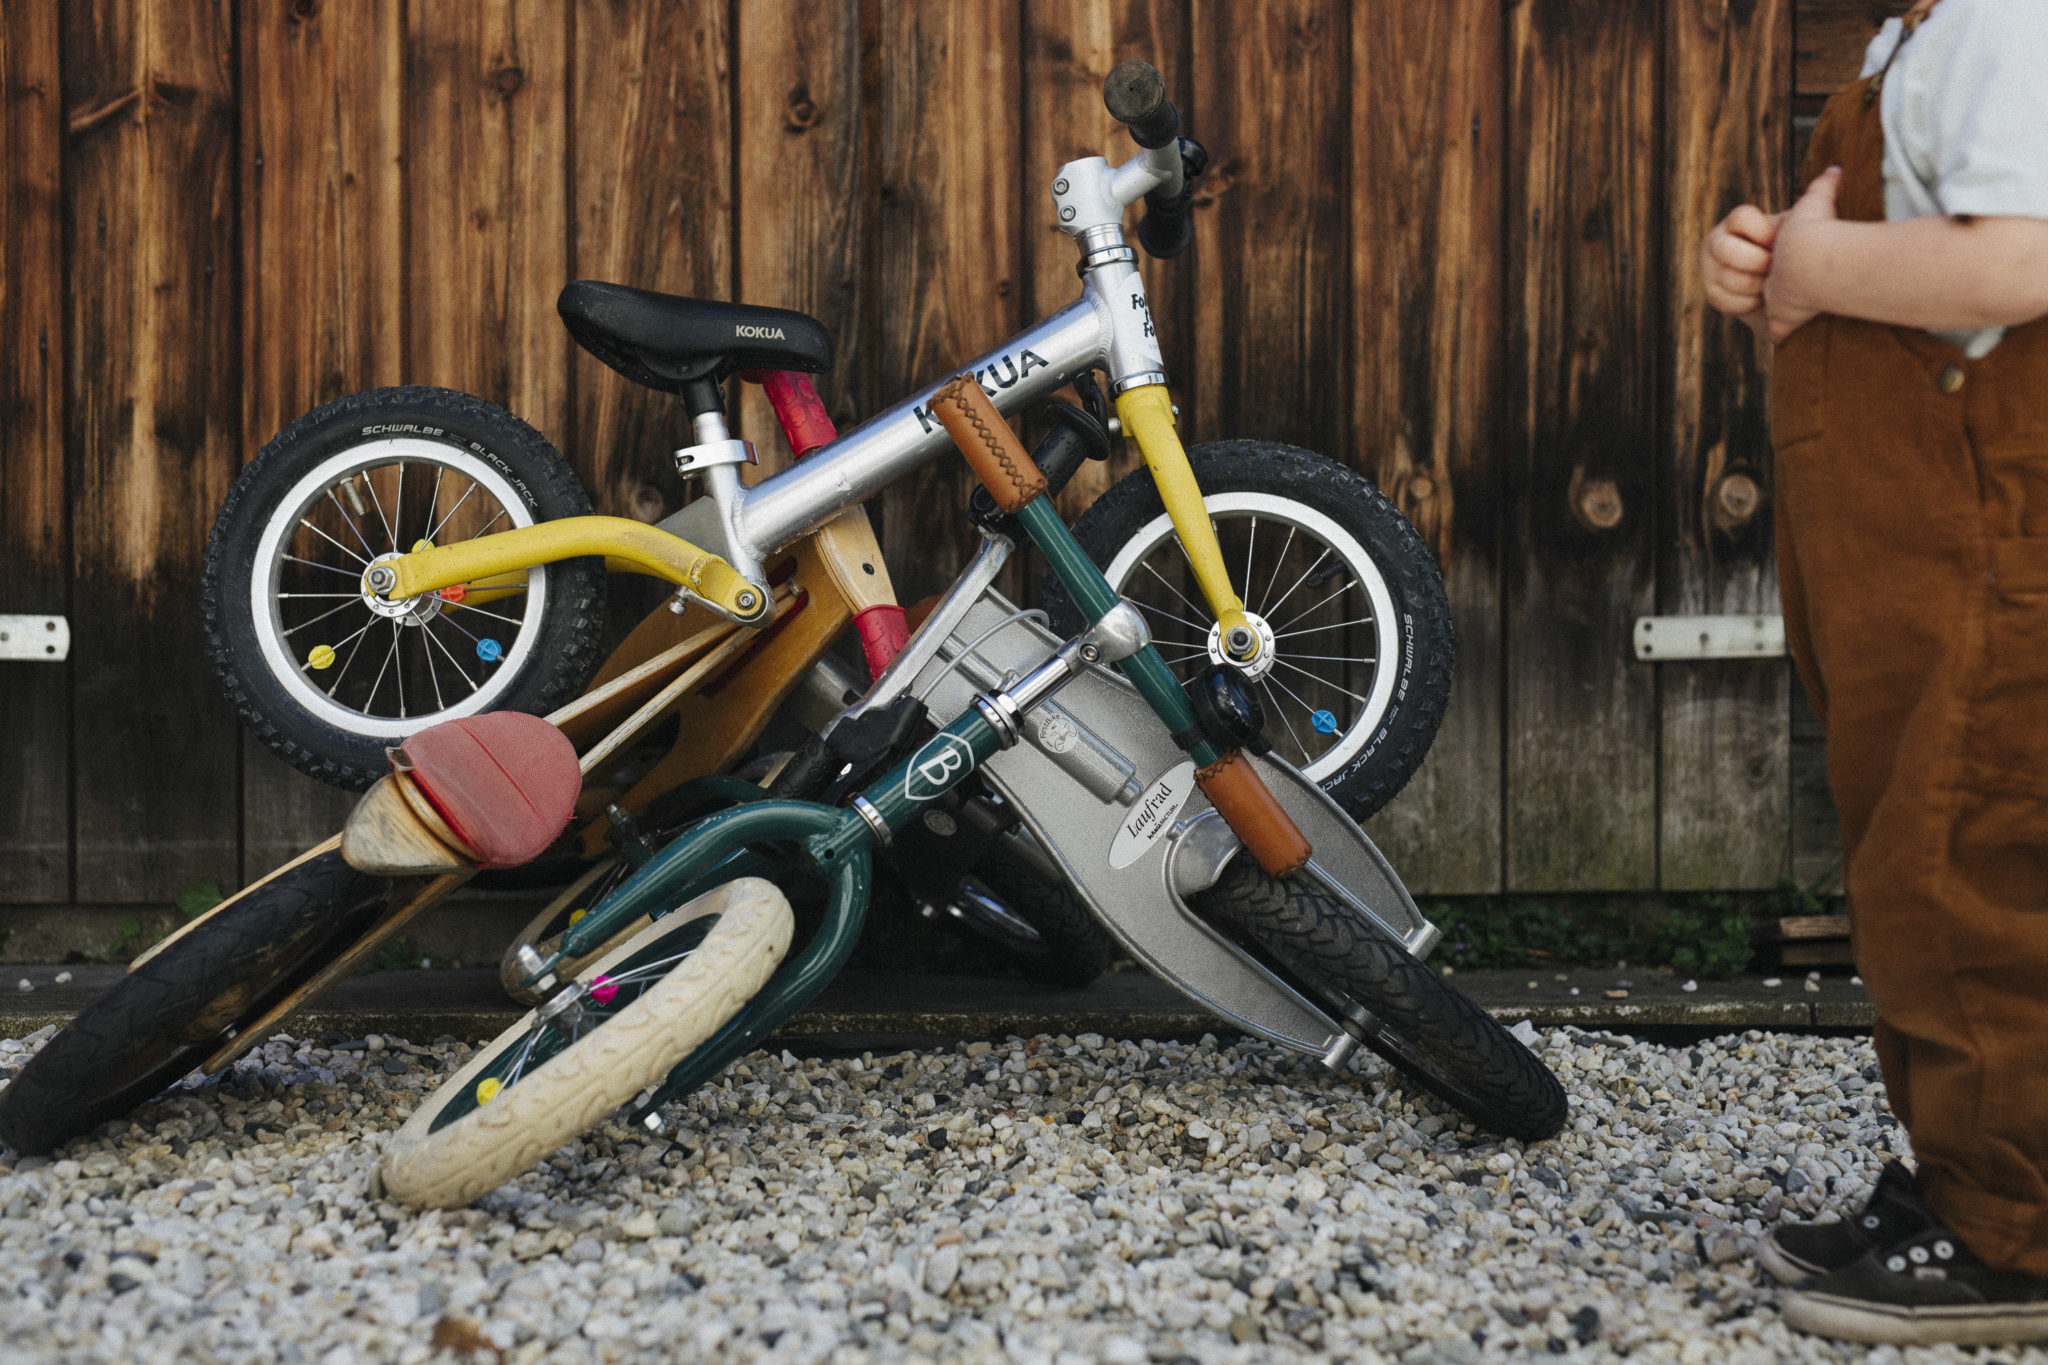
1950 380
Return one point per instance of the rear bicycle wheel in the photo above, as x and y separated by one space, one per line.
1428 1029
645 1006
178 1005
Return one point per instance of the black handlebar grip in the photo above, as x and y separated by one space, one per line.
1075 438
1165 231
1136 95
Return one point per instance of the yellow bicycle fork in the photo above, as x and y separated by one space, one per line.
1147 415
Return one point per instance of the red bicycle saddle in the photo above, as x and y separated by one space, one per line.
505 782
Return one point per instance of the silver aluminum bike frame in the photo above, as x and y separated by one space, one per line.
1110 327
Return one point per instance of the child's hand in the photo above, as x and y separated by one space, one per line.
1785 310
1735 260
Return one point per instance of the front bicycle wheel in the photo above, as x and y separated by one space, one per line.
1355 641
329 674
1428 1029
176 1006
637 1012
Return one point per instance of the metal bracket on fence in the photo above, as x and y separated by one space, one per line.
41 639
1662 639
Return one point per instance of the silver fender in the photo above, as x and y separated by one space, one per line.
1169 841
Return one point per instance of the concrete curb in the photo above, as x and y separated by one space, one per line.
883 1008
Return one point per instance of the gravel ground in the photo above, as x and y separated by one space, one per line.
1054 1199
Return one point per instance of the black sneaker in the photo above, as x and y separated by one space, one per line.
1924 1290
1799 1253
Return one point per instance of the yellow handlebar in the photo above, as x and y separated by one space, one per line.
628 546
1147 415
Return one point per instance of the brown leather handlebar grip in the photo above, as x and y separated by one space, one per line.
993 450
1235 788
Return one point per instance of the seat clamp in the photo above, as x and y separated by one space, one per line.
693 459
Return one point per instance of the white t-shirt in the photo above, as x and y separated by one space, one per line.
1965 112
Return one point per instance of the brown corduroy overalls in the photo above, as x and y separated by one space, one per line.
1912 489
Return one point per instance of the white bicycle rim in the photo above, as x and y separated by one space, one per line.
1283 513
264 584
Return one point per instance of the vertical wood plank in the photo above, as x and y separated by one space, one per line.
1426 196
1725 744
1583 333
800 192
944 254
322 232
35 798
487 175
1070 47
651 177
154 427
1269 249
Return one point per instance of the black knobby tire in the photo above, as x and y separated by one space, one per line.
1064 946
173 1010
284 562
1426 1027
1380 649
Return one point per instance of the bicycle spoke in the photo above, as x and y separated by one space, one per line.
1310 630
1280 562
1324 681
351 596
1160 610
1281 712
322 616
358 639
473 683
377 503
1250 541
433 669
378 682
495 616
398 511
1331 598
316 564
1336 658
1273 610
1169 587
398 673
351 522
451 511
1183 658
335 543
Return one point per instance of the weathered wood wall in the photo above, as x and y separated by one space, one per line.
1448 242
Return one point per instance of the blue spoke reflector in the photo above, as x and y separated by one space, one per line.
1324 722
490 651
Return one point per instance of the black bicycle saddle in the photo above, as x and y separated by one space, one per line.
664 341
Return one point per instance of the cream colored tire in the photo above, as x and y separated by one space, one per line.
569 1093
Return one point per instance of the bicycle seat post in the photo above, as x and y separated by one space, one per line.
716 458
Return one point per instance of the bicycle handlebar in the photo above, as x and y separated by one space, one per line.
1135 94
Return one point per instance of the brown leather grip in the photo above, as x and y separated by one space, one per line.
1235 788
988 443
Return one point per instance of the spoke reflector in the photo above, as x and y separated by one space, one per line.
322 656
603 989
490 651
487 1089
1324 722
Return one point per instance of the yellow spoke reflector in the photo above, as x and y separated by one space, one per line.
419 545
321 657
487 1089
575 915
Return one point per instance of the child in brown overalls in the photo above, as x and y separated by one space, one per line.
1906 292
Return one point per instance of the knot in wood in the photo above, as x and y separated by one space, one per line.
305 9
1737 498
1598 504
508 79
801 113
1421 488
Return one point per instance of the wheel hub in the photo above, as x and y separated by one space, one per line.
410 611
1261 661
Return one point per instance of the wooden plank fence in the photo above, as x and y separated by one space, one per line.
1450 243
